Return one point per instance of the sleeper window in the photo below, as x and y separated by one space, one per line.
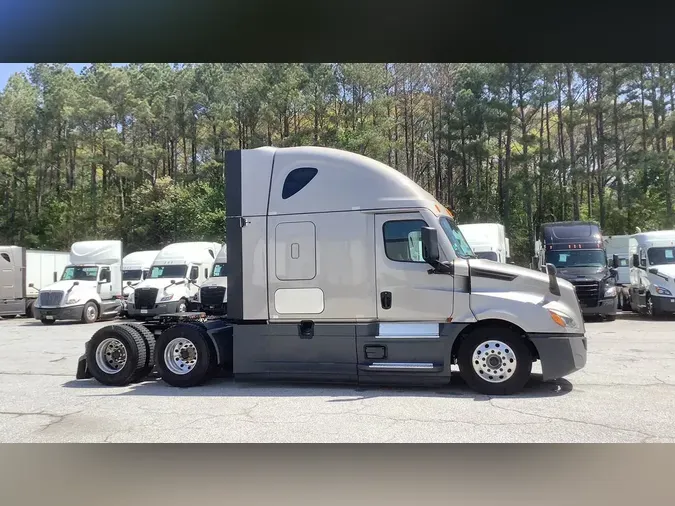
5 256
403 240
296 180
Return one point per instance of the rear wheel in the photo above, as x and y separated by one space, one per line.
150 341
29 309
184 356
495 360
116 355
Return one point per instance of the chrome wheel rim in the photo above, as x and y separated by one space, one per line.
111 355
180 356
494 361
90 313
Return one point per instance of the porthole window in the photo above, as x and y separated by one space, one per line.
296 180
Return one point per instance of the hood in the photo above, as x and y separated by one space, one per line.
217 281
665 269
64 286
590 273
159 283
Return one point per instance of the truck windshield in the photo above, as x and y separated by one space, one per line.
168 271
577 258
219 270
454 234
79 273
661 256
487 255
131 274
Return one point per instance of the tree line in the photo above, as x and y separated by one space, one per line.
136 152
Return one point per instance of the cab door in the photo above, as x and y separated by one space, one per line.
412 307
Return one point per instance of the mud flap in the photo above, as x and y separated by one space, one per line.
82 369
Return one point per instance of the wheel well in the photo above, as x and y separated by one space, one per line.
491 322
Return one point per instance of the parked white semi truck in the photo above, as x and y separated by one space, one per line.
23 272
325 283
135 268
619 245
488 241
652 273
176 274
212 295
90 287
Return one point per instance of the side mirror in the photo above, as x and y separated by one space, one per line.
173 281
636 260
128 283
615 261
30 285
553 286
430 251
193 280
654 270
75 283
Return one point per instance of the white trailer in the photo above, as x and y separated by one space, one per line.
23 272
619 245
652 272
488 241
90 286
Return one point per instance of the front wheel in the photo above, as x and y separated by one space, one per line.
495 361
90 312
182 306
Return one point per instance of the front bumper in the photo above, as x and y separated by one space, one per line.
560 354
58 313
604 307
161 308
663 304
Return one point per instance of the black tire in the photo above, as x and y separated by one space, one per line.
8 316
90 312
610 317
135 349
650 310
29 309
47 322
205 356
150 342
518 347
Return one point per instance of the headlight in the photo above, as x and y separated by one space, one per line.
562 319
661 290
166 298
610 291
73 299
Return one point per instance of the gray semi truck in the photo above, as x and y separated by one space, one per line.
342 269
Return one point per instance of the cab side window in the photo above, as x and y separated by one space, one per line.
403 240
194 272
105 275
643 258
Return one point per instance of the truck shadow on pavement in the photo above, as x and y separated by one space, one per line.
536 388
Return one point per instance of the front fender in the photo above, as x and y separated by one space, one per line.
525 310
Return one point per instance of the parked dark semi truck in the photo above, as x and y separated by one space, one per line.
342 269
577 251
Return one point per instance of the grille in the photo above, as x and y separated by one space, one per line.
212 295
51 298
144 298
587 292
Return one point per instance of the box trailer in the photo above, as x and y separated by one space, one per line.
342 269
23 273
488 241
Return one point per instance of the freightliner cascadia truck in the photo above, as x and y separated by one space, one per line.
342 269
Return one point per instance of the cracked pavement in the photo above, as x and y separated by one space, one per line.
626 393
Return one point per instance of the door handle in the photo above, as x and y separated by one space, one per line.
385 300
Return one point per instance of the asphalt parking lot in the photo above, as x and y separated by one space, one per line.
626 393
